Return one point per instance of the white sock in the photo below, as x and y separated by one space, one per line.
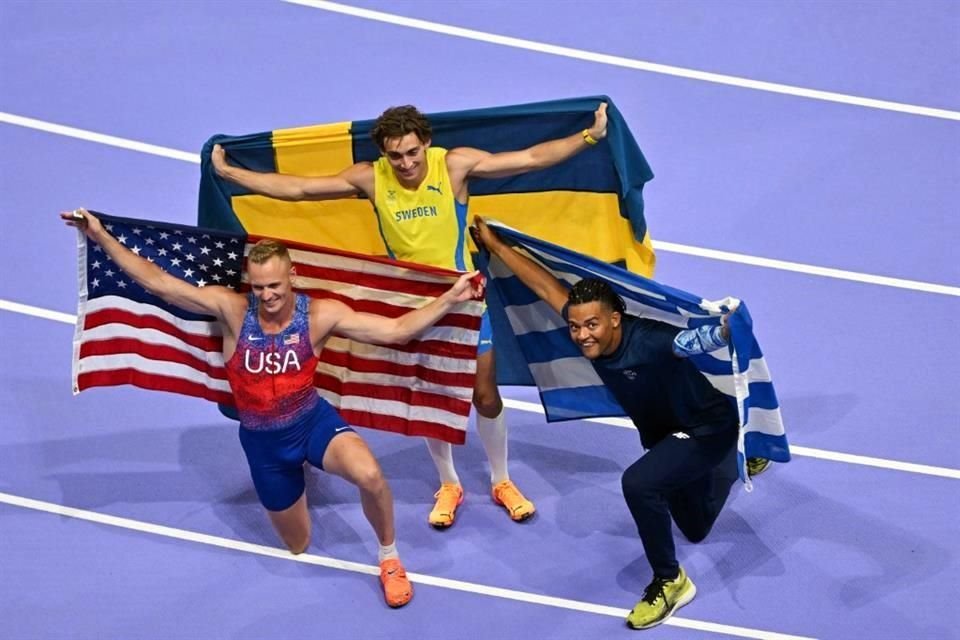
442 454
388 552
493 435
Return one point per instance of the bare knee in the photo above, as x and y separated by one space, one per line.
370 479
487 408
486 398
296 547
486 395
296 541
293 525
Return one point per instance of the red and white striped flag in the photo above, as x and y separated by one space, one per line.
125 335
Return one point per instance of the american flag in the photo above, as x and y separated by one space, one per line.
125 335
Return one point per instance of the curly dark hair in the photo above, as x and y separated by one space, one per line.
596 290
397 122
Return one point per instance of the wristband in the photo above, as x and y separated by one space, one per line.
589 139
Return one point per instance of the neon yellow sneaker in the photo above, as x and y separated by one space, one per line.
509 497
756 466
660 599
444 511
397 589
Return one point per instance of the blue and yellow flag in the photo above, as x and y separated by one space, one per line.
591 204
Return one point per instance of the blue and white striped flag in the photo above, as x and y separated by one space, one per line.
571 389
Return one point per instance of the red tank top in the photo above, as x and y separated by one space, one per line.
271 375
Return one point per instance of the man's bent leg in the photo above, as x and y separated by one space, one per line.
670 464
293 525
673 463
645 484
275 459
348 456
696 506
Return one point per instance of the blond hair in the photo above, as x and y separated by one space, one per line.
266 249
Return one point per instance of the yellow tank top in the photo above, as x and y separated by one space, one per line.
426 225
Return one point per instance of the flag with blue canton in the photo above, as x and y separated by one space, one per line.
126 335
198 256
600 189
569 386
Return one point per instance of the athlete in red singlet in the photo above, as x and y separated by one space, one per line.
271 338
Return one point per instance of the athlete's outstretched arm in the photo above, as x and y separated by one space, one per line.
543 283
349 182
329 316
475 163
213 300
704 339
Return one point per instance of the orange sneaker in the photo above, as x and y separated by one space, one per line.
444 511
397 589
509 497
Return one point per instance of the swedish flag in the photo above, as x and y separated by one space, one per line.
592 203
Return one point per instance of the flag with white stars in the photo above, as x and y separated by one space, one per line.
198 256
126 335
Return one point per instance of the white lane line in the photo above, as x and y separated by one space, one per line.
532 407
659 245
629 63
356 567
808 269
37 312
99 138
822 454
896 465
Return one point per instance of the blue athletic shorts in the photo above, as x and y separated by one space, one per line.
486 334
276 457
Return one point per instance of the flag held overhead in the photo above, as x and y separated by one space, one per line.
125 335
601 191
569 386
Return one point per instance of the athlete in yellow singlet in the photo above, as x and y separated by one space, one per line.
420 194
426 224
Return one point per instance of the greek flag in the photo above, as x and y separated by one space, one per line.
570 388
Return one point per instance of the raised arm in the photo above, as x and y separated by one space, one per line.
349 182
704 339
215 301
328 316
547 287
474 163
